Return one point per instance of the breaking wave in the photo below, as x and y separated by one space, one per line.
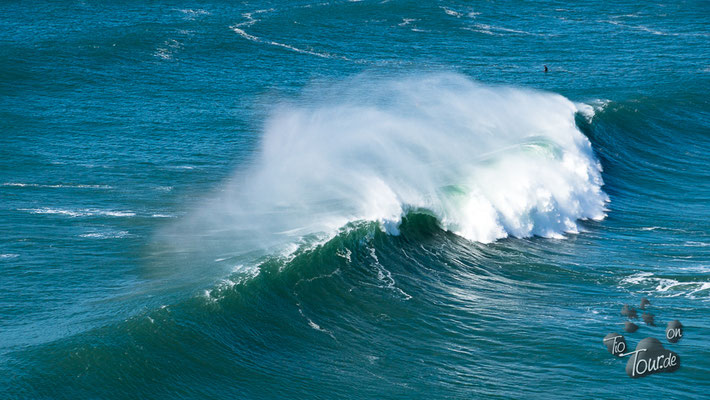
486 161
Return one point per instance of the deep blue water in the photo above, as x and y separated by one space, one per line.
373 199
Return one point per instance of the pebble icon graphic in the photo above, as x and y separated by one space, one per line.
674 331
649 358
615 344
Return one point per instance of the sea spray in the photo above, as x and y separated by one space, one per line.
486 161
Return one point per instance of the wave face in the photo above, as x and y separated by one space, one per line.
487 161
353 253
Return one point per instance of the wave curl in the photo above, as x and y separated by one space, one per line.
487 161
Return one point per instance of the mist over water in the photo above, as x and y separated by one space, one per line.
487 162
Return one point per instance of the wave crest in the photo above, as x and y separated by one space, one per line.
486 161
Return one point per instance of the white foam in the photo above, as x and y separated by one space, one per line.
224 286
111 213
497 30
194 12
8 256
407 21
345 253
162 216
106 235
84 212
256 39
667 287
78 186
19 184
47 210
451 12
487 161
249 17
480 30
168 49
637 278
243 34
385 276
640 28
302 51
191 14
589 109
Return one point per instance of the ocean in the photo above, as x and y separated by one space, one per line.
351 199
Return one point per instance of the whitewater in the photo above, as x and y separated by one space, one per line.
351 199
487 162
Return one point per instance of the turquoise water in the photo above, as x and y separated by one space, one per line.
350 199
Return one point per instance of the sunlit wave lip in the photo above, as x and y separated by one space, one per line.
590 108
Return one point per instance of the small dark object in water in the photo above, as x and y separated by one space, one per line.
674 331
648 318
630 327
545 68
629 312
644 303
650 357
615 344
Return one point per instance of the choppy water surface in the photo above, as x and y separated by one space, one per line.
350 199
